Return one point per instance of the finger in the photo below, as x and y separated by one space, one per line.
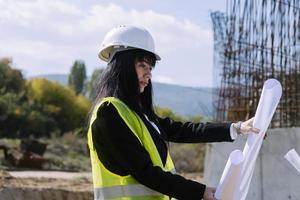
250 129
255 130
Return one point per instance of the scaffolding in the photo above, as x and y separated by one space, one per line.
255 40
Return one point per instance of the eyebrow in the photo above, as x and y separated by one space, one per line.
147 60
143 63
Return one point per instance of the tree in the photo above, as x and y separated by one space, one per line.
91 85
11 99
77 76
10 115
11 80
37 107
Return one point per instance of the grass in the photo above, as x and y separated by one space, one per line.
70 153
188 157
66 153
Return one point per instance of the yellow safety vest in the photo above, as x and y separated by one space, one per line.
108 185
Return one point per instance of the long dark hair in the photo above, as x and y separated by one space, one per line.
120 80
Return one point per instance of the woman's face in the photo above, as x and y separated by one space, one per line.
143 71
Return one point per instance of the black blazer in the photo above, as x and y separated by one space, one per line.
121 152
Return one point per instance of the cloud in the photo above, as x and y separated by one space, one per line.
52 34
166 29
31 12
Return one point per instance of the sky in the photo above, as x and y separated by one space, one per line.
46 37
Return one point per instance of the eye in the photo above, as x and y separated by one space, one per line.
145 65
142 65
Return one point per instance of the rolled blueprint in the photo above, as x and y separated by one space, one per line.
232 170
267 105
293 158
268 102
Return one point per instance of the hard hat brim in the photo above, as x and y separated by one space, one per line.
105 55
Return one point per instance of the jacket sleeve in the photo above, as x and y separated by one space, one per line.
194 132
117 146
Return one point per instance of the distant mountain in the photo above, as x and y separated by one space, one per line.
187 101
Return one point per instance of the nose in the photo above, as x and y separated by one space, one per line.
148 73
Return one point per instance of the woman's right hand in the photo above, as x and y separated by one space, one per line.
209 193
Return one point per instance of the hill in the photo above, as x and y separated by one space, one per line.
182 100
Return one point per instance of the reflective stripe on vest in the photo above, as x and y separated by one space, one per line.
124 191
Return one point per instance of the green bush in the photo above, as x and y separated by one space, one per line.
59 103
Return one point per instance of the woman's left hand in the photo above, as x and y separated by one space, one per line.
245 127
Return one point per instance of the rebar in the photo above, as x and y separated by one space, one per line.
255 40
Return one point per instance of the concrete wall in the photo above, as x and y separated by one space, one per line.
274 178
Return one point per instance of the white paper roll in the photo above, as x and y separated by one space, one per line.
293 157
236 179
226 189
267 105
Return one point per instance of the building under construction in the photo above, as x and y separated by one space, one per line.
255 40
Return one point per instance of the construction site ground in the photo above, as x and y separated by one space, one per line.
48 185
45 185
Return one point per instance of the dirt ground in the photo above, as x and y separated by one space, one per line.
43 188
76 184
48 185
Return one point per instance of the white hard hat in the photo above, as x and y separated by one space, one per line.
124 38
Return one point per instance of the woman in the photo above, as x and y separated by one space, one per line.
127 140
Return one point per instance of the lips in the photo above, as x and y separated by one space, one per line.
144 83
